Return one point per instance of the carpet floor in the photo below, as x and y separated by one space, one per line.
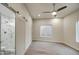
48 48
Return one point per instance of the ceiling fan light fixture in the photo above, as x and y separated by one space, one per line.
54 13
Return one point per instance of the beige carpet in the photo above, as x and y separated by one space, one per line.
47 48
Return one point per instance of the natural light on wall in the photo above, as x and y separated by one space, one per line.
77 31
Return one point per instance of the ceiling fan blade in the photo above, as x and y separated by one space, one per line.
47 12
62 8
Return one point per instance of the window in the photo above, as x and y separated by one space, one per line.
77 31
46 31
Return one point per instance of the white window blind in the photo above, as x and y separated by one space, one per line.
45 31
77 31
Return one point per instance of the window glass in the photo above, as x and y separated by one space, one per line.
46 31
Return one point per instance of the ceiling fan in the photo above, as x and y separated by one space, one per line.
54 12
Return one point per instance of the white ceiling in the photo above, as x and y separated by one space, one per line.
37 8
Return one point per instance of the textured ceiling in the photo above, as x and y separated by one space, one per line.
37 8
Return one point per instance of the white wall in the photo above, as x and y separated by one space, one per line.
23 29
20 36
57 26
70 30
